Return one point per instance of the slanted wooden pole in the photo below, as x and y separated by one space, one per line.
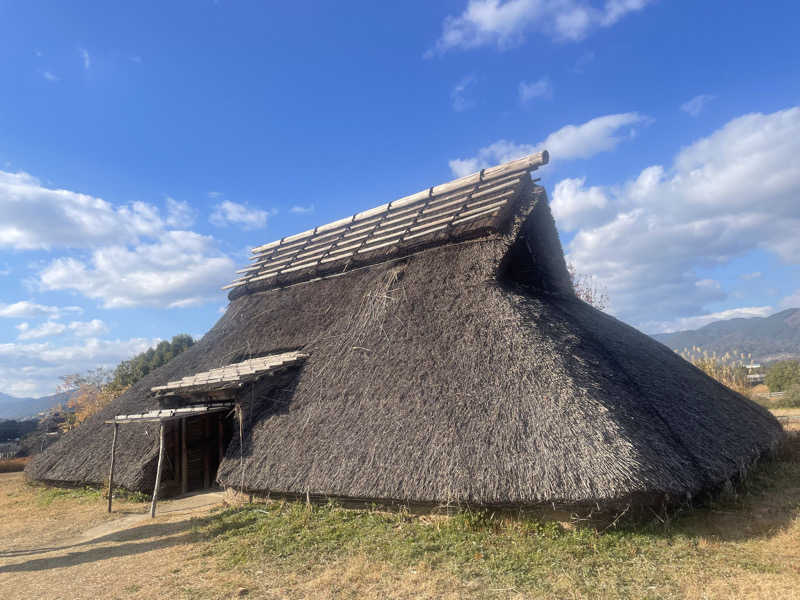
111 470
158 470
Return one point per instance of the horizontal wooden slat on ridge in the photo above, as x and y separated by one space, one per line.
450 209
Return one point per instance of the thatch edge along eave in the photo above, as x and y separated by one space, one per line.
666 498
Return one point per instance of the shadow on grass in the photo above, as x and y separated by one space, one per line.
131 540
166 534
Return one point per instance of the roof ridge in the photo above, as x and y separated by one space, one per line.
441 212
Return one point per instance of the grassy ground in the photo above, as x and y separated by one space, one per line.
60 543
745 545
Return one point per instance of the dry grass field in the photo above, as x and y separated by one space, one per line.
57 543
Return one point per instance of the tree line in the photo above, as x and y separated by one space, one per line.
91 391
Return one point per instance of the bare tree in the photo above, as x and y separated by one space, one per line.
588 288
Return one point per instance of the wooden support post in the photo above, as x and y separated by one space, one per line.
206 453
175 448
158 470
111 470
241 445
184 459
220 439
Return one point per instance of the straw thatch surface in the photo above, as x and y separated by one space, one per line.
463 373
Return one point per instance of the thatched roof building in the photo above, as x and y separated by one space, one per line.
431 351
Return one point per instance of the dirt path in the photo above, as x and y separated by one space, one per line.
60 548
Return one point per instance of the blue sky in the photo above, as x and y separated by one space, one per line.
144 147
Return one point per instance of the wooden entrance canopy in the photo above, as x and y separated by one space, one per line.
160 417
217 389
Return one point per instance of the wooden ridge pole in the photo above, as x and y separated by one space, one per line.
111 470
158 470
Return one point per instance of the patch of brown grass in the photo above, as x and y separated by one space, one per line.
13 465
35 514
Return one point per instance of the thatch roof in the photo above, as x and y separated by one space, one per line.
461 371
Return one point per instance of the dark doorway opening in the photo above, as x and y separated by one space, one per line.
199 447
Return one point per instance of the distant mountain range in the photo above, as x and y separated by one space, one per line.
12 407
767 338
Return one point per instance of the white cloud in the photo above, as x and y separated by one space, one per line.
460 96
34 369
571 141
87 60
134 258
695 322
572 204
541 88
232 213
180 269
696 105
30 310
505 23
302 210
36 217
598 135
91 328
179 213
46 329
50 76
727 194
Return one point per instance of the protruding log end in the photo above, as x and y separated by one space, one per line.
545 157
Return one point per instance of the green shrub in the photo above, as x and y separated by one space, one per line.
792 397
783 375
